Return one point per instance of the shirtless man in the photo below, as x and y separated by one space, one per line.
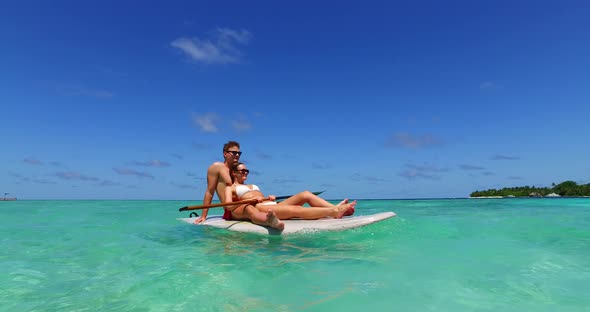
218 179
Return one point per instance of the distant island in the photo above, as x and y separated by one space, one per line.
567 188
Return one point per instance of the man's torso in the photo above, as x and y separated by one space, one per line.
223 179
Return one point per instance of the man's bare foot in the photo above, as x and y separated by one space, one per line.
345 210
273 221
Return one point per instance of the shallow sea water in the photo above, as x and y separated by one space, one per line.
436 255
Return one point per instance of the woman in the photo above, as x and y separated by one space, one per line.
290 208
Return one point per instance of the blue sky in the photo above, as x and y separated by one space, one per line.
371 99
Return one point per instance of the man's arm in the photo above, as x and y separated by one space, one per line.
212 176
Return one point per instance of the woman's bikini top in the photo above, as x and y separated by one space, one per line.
243 189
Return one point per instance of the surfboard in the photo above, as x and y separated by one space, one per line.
295 226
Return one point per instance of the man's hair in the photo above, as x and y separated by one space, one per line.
230 144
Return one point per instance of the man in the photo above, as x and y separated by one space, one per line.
218 177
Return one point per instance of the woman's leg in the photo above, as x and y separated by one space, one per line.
307 197
308 213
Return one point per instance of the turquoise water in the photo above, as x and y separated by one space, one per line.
436 255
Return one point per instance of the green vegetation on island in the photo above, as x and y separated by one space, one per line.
567 188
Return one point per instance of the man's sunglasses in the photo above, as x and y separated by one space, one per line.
234 153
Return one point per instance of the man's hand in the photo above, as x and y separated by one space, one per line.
272 197
260 199
200 219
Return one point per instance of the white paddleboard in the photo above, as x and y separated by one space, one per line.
295 226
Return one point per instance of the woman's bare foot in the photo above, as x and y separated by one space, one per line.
349 212
345 210
273 221
345 201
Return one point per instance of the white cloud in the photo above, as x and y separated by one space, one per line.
241 125
504 157
152 163
316 165
73 90
489 85
425 171
32 161
262 155
471 167
202 146
407 140
73 175
184 185
206 122
126 171
221 49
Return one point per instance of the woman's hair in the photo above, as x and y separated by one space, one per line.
233 169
